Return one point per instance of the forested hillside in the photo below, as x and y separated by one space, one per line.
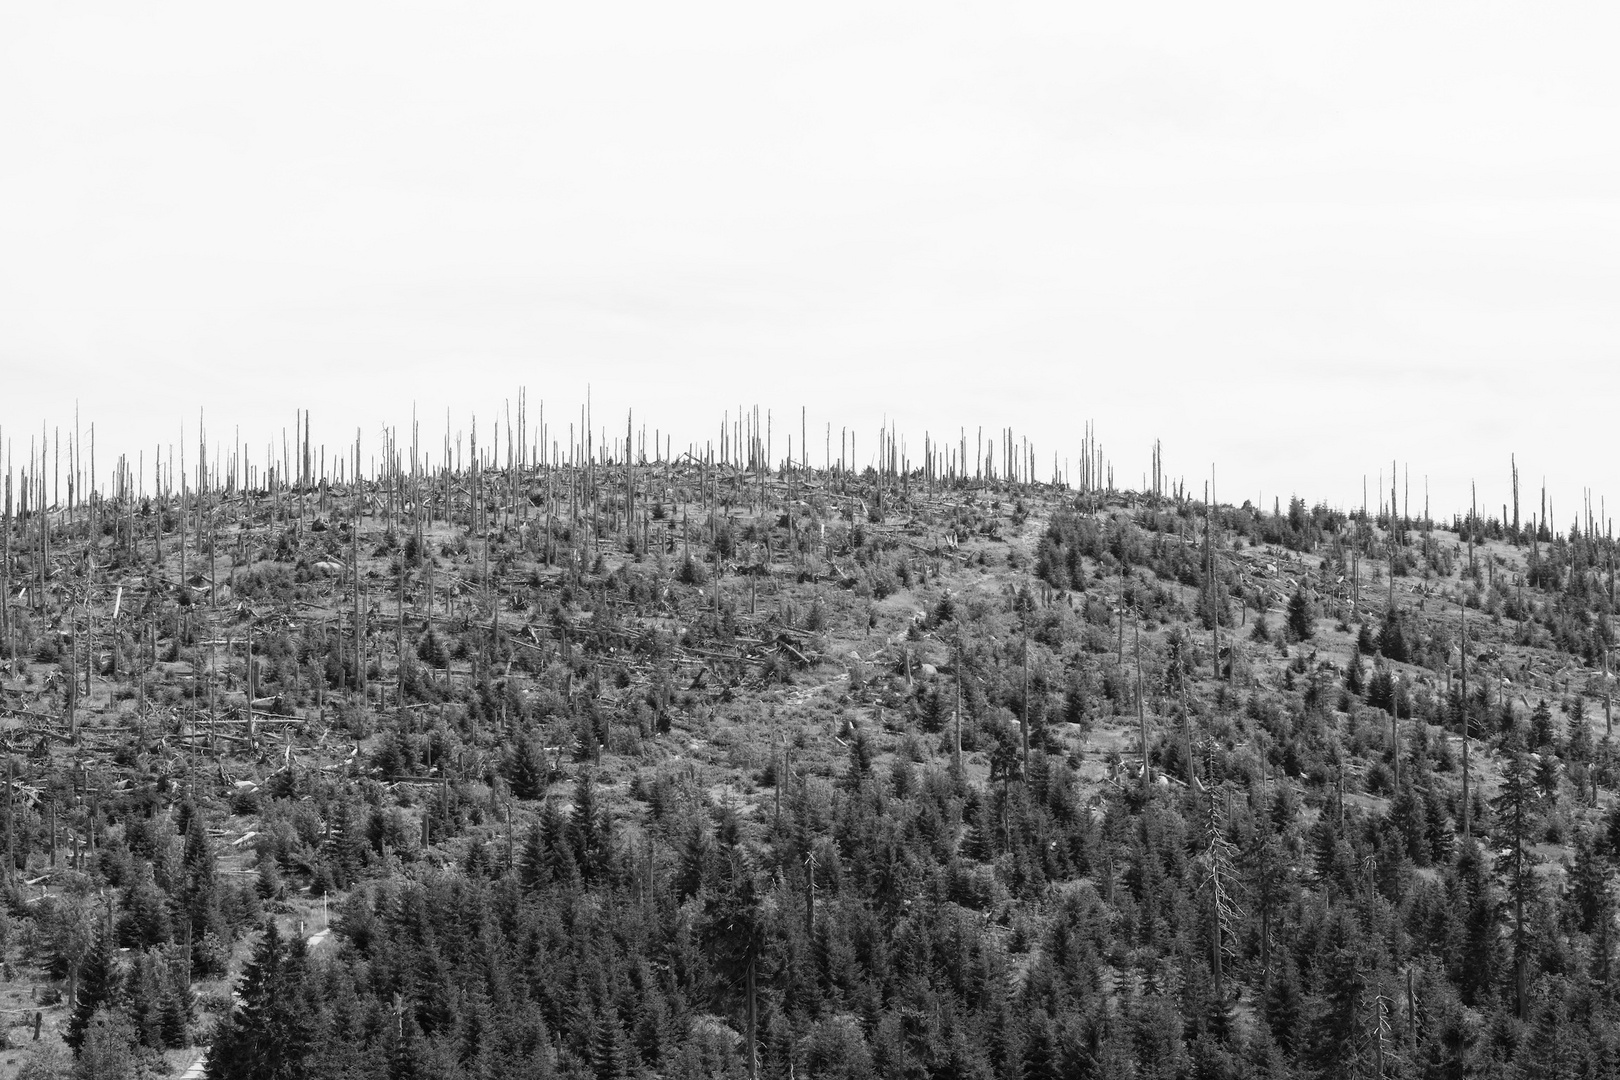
615 764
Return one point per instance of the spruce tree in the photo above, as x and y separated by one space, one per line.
610 1054
1578 747
1541 726
199 893
1392 639
526 770
145 922
176 1015
1301 623
1284 1005
860 760
1549 1053
144 992
1355 675
562 868
590 829
405 1059
346 849
269 1035
97 988
1547 775
1473 966
1381 689
431 651
1588 896
1339 1039
697 851
532 869
108 1049
731 927
1514 807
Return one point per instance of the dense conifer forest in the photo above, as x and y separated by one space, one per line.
530 759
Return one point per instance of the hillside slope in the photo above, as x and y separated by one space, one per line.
696 770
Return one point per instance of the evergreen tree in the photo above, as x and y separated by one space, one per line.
532 868
199 896
1608 838
1339 1038
590 829
1588 895
1541 726
268 1036
1284 1005
1437 823
860 760
1392 641
692 870
562 867
1514 807
1406 813
478 865
270 884
97 989
174 1022
144 993
1355 675
1301 620
1549 1053
346 850
1475 958
145 921
731 927
1381 689
405 1058
1578 747
431 651
1042 1057
1447 1036
1546 779
107 1051
610 1053
526 770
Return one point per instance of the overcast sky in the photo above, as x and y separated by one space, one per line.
1293 244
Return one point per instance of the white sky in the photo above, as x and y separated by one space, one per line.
1291 243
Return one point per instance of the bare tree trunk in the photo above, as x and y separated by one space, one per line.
753 1017
810 897
1141 714
1023 719
252 687
73 682
11 830
399 635
956 747
354 536
1463 652
1513 460
5 573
